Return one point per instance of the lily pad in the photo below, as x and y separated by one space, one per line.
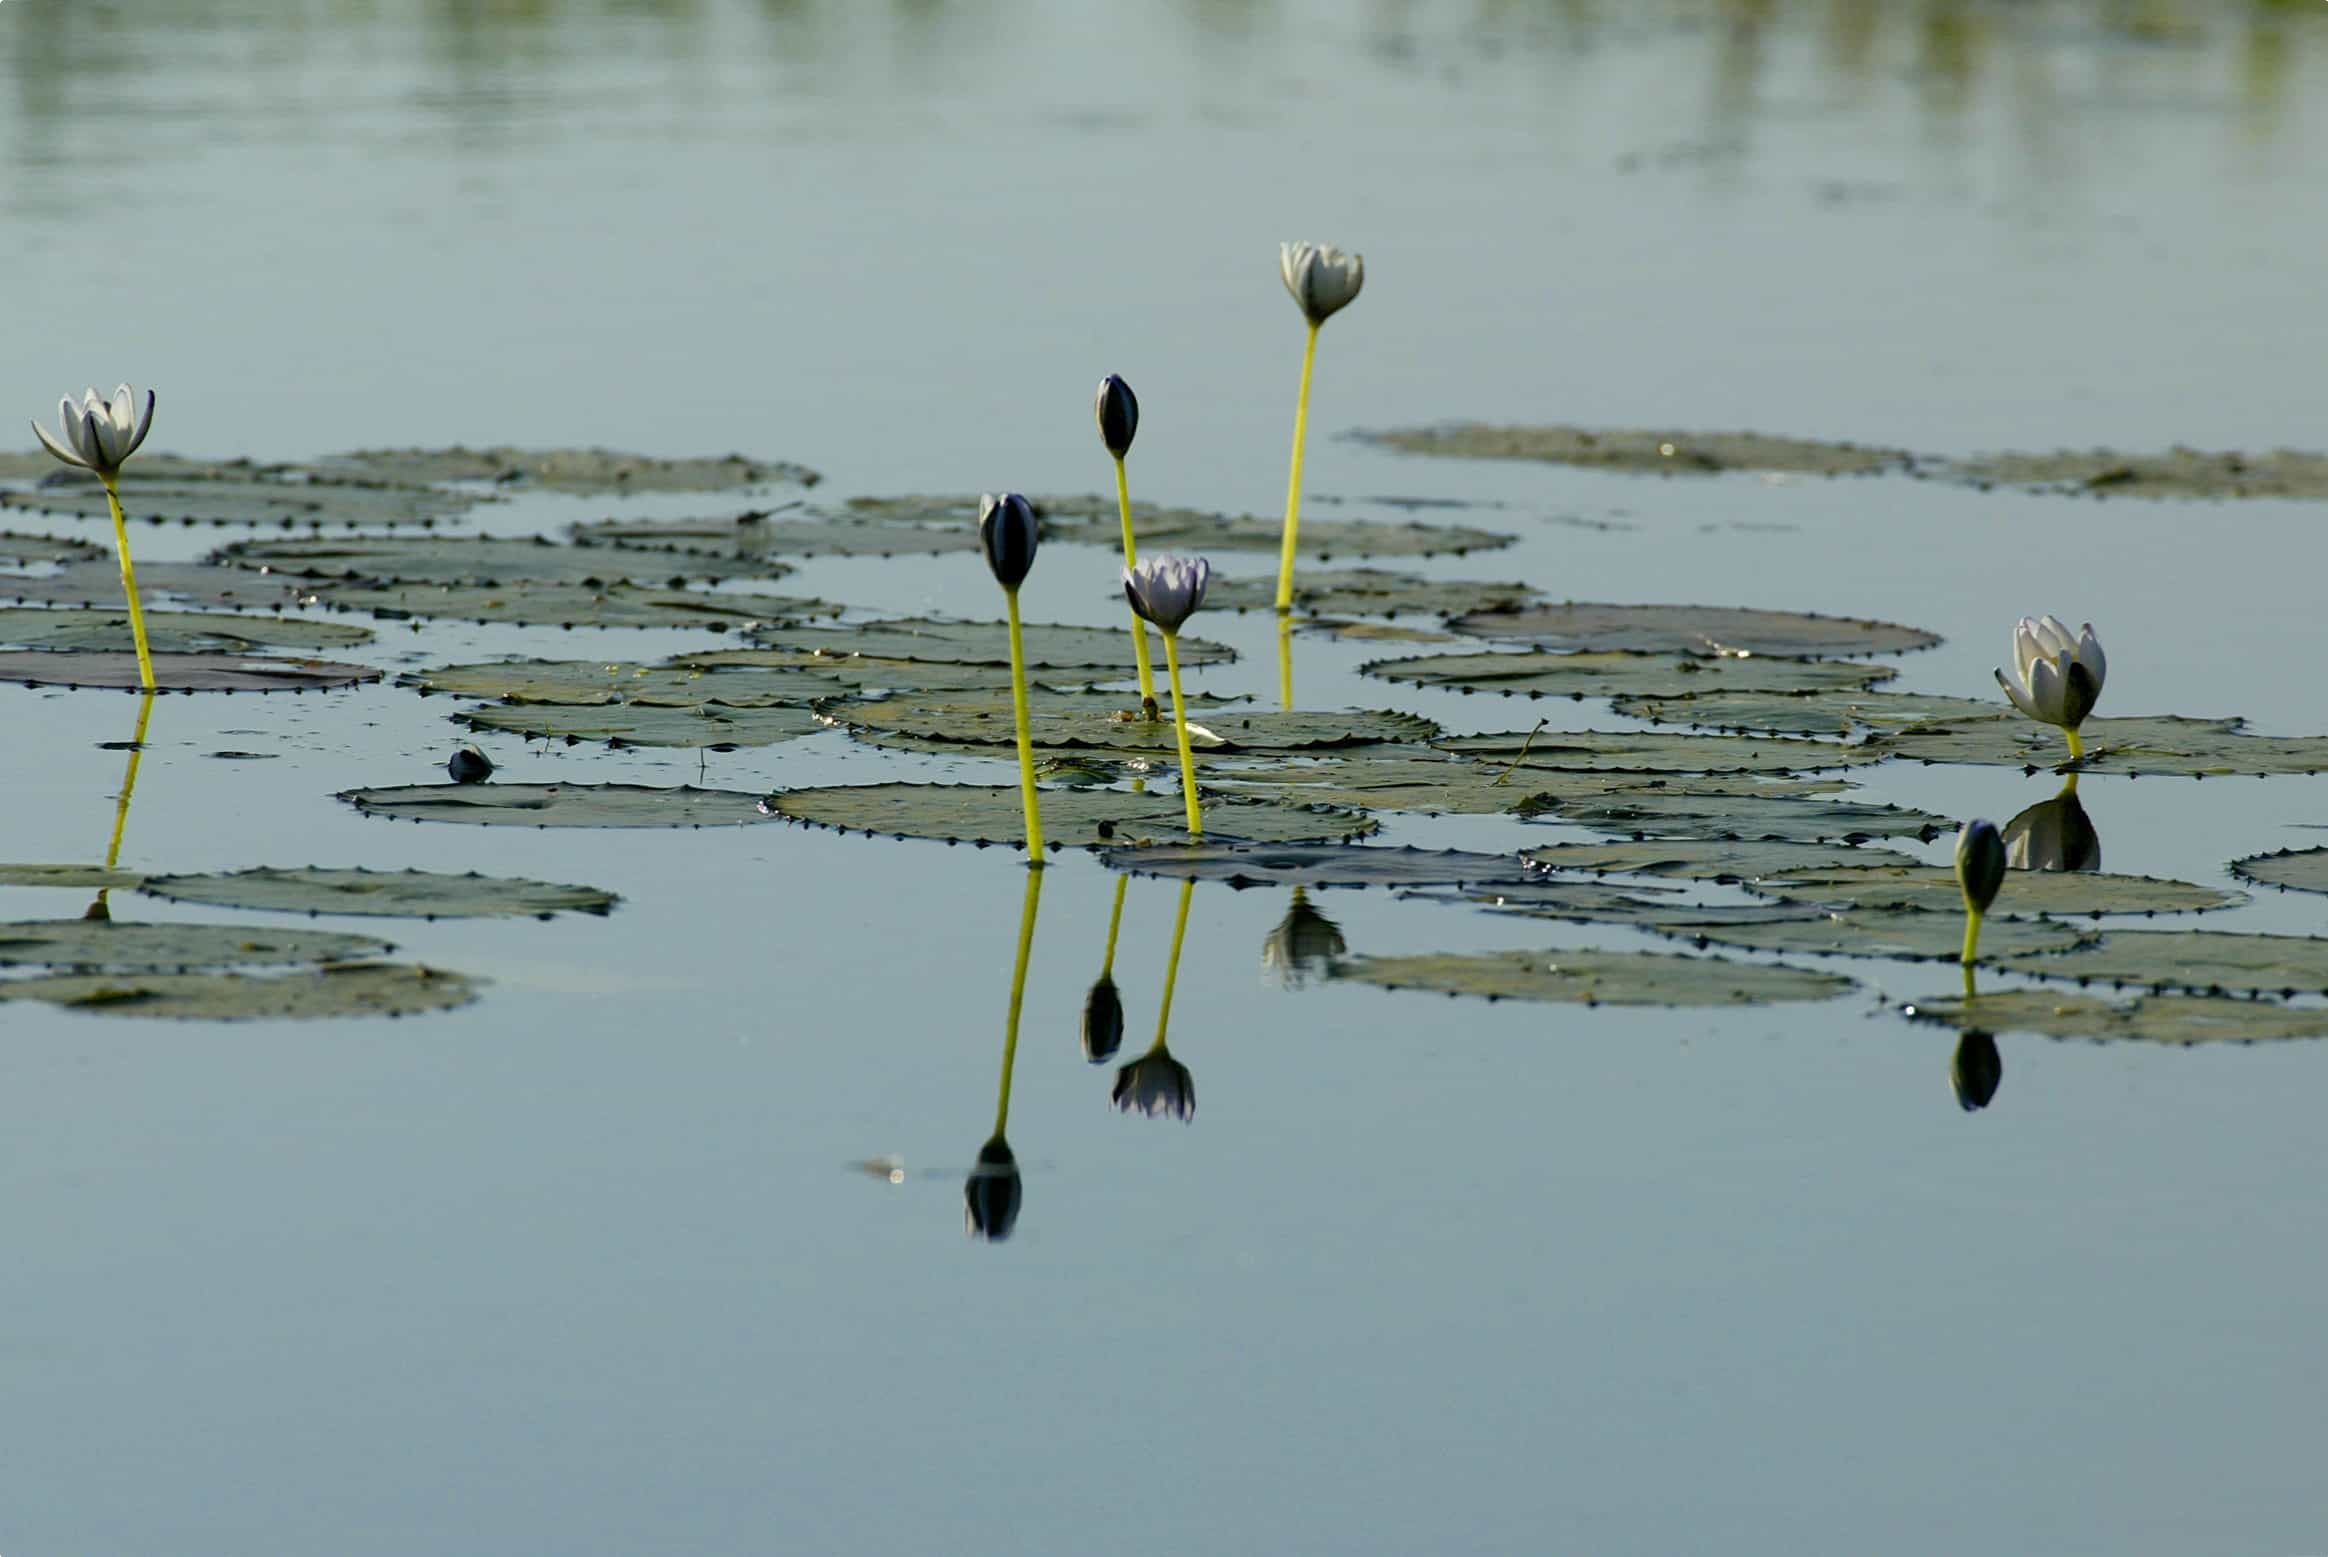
1805 819
804 533
2175 1019
1596 978
474 559
2196 961
1933 889
228 500
1597 902
1655 751
180 672
1842 714
1699 859
1318 865
559 805
170 632
523 604
18 551
2160 745
1618 674
1072 818
1368 592
1380 780
114 944
2292 870
2176 473
1718 631
1192 530
1048 646
708 726
1668 452
346 989
1901 933
595 683
584 472
390 894
861 673
1096 727
87 878
160 585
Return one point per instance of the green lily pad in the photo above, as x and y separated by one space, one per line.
1193 531
1048 646
226 500
1933 889
803 533
1619 674
1597 902
180 672
2175 1019
2176 473
2162 745
1369 632
2291 870
1317 865
1805 819
1645 450
2197 961
18 551
1423 781
596 683
1845 713
1715 631
114 944
87 878
1700 859
708 726
523 604
583 472
169 632
1368 592
861 673
559 805
1596 978
160 585
346 989
1655 751
385 894
1096 722
1904 934
474 559
1072 818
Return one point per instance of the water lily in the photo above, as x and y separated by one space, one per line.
1323 281
1118 411
1167 590
98 435
1980 871
469 765
1007 534
1304 944
2057 679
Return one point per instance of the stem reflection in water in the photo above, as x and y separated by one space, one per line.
1103 1008
1156 1084
991 1195
102 909
1976 1069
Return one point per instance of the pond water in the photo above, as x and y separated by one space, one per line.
658 1245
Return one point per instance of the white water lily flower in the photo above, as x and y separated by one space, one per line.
1322 279
98 433
1167 590
2060 677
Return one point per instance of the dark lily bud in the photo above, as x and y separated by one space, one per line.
1980 864
1119 415
991 1194
1006 529
1103 1022
1975 1071
470 766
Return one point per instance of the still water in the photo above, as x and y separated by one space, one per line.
595 1265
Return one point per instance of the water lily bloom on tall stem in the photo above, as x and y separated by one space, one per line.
1007 533
1117 410
97 436
2057 679
1168 590
1980 871
1323 281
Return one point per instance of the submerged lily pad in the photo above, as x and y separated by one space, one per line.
1901 933
1619 674
2176 1019
1668 452
1094 726
169 632
1596 978
583 472
1048 645
1701 859
1806 819
1072 818
18 551
523 604
2199 961
559 805
115 944
711 726
1717 631
2292 870
397 894
1654 751
2176 473
239 499
1843 713
479 559
346 989
2160 745
1368 592
180 672
1933 888
1318 865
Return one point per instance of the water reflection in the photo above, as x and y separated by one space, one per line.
1156 1084
102 907
1103 1008
1285 660
1975 1070
2054 834
991 1194
1303 946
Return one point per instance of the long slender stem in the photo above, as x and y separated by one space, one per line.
1139 627
1285 662
1018 991
2076 746
1026 744
1180 730
137 630
145 711
1969 989
1972 918
1172 962
1309 356
1115 921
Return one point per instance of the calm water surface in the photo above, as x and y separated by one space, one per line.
586 1268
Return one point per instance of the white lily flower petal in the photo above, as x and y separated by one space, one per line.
145 424
2019 697
2026 650
2048 690
61 451
123 408
2053 636
2089 654
109 439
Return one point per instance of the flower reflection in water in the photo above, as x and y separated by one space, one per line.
1975 1071
1304 945
991 1194
1103 1008
2054 834
1156 1084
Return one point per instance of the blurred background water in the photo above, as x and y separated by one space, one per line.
586 1267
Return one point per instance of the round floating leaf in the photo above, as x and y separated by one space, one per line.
1842 714
1933 888
2165 745
393 894
592 683
1594 902
1368 592
584 472
169 632
18 551
2183 473
1073 818
1702 859
1098 724
1596 978
180 672
1619 674
1655 751
245 500
522 604
1369 632
2197 961
160 584
87 878
1048 646
810 533
559 805
1645 449
1805 819
2293 870
454 559
1900 933
1719 631
1317 865
859 673
347 989
711 726
1378 780
2176 1019
114 944
1189 530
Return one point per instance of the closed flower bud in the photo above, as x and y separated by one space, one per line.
1322 279
1103 1022
1156 1084
991 1194
2057 679
1119 415
1006 530
1975 1071
1980 864
470 766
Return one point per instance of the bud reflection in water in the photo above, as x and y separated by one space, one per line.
101 908
991 1195
1156 1084
1103 1008
1304 945
1975 1071
2054 834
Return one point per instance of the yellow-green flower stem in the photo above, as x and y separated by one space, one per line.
1309 357
1172 962
2069 785
2076 746
1115 920
1139 628
1180 732
145 710
1018 991
1969 989
1285 662
145 658
1972 918
1026 743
